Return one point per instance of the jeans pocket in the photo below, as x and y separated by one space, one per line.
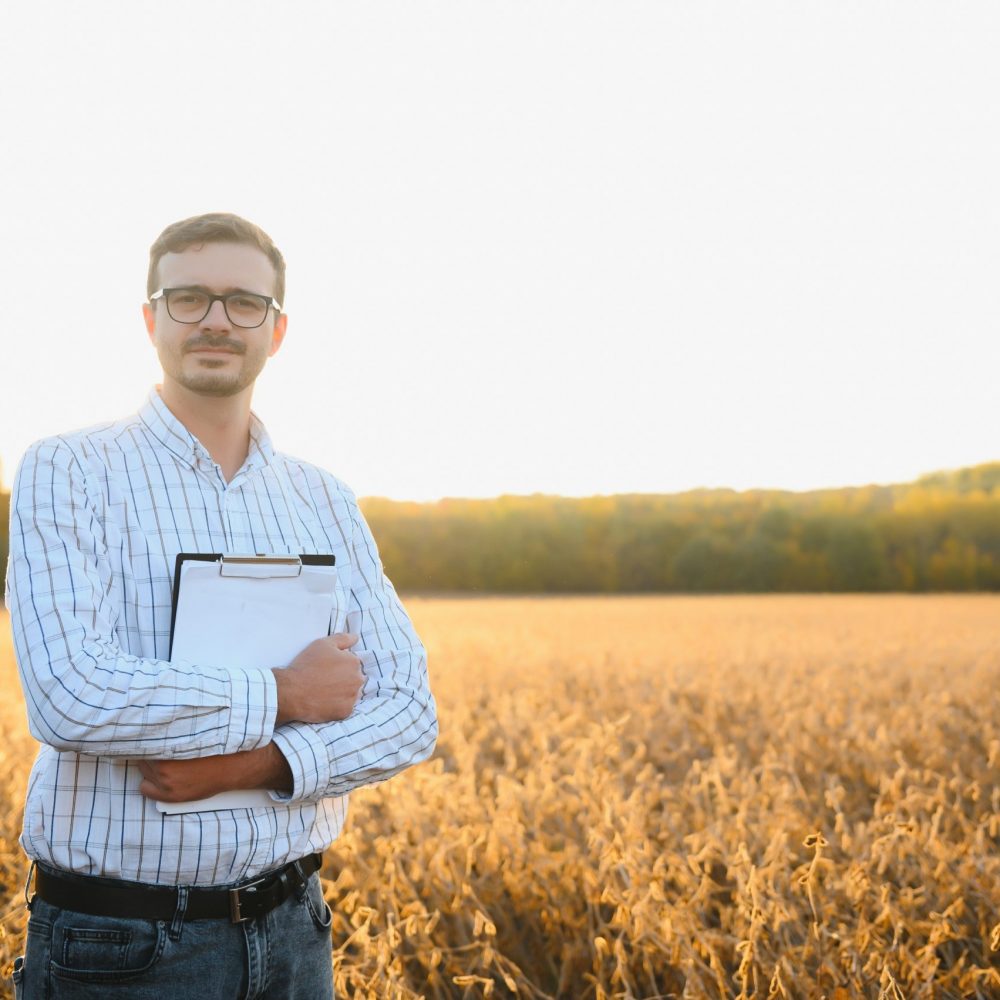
106 949
319 910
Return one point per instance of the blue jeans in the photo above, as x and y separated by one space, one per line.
284 955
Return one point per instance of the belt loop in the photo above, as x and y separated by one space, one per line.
29 901
303 880
177 924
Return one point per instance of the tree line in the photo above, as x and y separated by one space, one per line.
939 533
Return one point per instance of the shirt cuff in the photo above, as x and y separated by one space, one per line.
308 760
253 709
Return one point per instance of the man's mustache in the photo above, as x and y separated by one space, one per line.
214 344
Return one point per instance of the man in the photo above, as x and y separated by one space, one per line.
130 901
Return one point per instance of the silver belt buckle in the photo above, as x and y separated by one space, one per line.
235 913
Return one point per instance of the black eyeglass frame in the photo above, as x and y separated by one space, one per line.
270 300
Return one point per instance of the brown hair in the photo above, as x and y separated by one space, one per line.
215 227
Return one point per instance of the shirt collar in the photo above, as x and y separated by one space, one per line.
178 440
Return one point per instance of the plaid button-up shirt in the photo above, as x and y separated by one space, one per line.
97 518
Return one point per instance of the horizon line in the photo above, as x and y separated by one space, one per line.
679 492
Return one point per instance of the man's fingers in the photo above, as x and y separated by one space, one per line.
344 640
151 791
152 785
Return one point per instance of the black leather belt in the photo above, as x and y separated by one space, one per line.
105 897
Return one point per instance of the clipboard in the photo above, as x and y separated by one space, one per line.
247 610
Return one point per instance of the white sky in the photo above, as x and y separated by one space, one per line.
575 247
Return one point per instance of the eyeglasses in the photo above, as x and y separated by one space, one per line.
191 305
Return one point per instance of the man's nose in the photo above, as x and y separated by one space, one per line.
216 318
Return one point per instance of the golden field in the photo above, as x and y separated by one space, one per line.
706 797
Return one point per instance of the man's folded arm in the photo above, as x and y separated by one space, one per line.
83 692
394 723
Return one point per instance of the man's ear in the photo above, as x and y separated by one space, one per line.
149 318
280 328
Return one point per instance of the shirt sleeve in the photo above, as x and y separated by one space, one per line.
83 692
394 723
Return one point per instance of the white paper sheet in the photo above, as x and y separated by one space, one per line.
247 621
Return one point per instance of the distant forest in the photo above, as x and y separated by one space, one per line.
940 533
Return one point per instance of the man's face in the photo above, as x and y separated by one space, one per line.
214 357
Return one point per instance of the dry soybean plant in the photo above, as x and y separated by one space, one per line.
740 797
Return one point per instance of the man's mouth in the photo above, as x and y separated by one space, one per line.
211 349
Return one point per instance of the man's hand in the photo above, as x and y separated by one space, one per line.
184 780
322 683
